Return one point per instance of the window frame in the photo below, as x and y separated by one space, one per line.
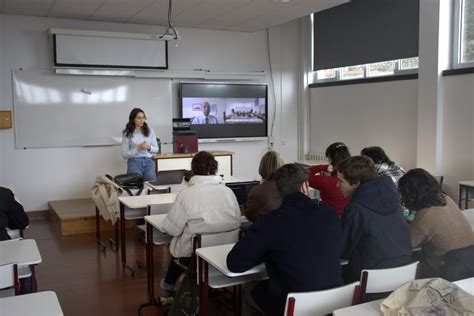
457 38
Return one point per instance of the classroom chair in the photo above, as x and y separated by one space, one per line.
209 277
440 179
159 238
320 302
9 284
138 216
377 282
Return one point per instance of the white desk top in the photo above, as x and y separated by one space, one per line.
467 183
373 308
146 200
155 220
20 251
216 256
35 304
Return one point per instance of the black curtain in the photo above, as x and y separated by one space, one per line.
366 31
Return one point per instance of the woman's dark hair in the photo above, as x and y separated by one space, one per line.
377 154
337 152
204 164
130 127
419 189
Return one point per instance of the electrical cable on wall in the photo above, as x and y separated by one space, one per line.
273 89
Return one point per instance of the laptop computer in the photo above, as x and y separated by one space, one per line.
167 177
241 189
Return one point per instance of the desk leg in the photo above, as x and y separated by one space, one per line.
460 196
239 300
114 243
205 289
34 284
100 243
149 262
199 265
123 249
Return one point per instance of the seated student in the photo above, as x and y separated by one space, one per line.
300 244
12 214
327 183
374 233
205 206
383 164
264 197
439 226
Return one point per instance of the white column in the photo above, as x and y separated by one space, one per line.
434 53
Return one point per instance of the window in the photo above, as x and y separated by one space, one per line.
385 68
463 55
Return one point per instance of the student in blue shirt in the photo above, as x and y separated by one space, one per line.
138 145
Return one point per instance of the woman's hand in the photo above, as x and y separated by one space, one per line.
144 146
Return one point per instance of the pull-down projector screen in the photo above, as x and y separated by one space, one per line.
109 52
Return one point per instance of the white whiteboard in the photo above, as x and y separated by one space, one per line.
53 110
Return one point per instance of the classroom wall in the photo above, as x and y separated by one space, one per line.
44 174
361 115
3 98
458 132
385 114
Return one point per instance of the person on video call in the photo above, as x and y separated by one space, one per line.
207 117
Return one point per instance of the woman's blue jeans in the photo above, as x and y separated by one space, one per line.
143 166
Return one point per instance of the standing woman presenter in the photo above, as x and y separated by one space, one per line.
138 145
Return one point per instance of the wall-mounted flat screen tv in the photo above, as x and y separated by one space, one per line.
225 110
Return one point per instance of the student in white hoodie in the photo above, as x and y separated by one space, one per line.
206 206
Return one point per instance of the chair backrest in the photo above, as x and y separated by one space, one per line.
386 280
9 277
161 208
209 240
320 302
439 179
216 239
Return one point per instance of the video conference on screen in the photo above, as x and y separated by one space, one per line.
224 110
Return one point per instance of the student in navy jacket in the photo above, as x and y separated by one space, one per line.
375 234
300 244
12 214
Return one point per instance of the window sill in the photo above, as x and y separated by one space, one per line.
460 71
364 80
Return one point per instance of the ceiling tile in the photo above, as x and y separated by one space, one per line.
206 11
28 7
156 13
121 10
82 9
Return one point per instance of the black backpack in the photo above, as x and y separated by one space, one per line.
129 181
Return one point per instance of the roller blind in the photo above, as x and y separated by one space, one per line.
366 31
94 51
